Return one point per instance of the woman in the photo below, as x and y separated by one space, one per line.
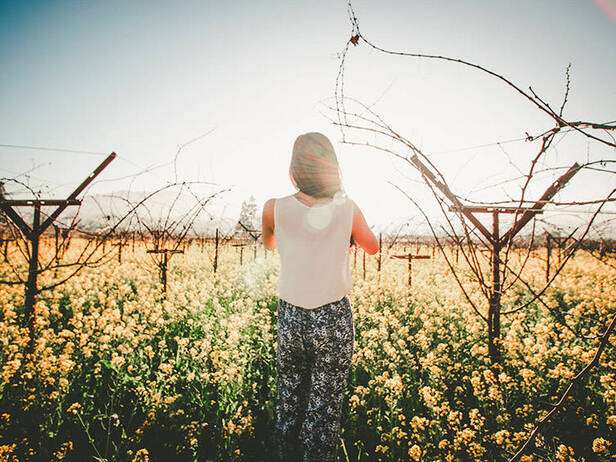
313 230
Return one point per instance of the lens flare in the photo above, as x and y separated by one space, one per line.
608 7
320 217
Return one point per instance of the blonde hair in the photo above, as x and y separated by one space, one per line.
314 166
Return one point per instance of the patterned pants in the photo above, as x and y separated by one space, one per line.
314 352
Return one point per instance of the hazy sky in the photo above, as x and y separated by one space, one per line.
142 78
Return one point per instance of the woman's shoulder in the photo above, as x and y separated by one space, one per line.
278 198
350 203
269 205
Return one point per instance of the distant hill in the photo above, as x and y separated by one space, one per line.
101 211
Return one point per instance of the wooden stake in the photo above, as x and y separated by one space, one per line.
163 265
410 257
216 252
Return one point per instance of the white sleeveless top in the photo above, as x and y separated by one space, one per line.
313 243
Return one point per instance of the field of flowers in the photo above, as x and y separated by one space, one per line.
121 373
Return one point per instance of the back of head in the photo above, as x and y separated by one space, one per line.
314 166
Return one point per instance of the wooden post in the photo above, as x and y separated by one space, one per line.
364 263
31 286
241 250
410 257
216 252
163 273
410 269
548 254
56 233
120 244
164 264
380 252
494 311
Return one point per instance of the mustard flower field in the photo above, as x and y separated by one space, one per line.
122 373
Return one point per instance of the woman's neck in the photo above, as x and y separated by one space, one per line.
310 200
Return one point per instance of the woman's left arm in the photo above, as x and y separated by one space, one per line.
267 225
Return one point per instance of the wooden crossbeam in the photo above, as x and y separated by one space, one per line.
253 232
547 195
16 218
410 256
7 204
486 209
164 251
445 190
41 202
31 232
527 212
50 219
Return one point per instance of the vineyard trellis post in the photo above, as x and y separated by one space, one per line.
120 244
216 252
495 239
549 239
380 253
164 263
364 263
241 249
254 234
33 233
548 254
410 257
56 233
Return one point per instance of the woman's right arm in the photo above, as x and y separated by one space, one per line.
268 236
361 234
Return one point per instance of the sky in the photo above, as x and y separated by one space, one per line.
239 81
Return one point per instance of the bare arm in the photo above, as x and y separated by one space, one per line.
361 234
267 225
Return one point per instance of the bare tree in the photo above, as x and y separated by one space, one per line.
486 252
